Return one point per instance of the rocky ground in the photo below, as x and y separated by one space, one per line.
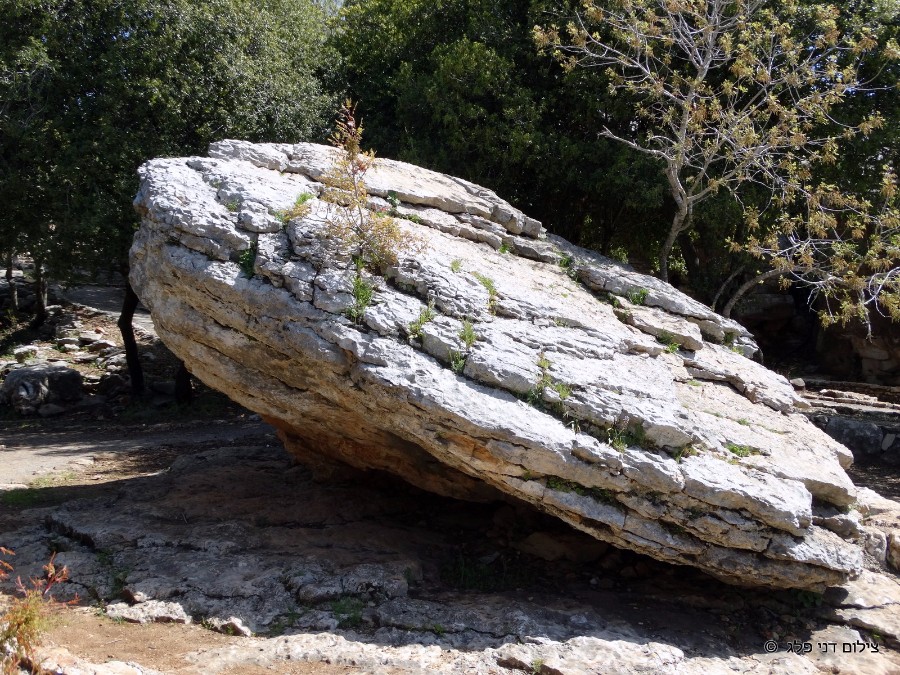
229 536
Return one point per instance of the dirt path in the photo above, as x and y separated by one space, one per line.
30 455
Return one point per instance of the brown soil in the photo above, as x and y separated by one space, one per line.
162 647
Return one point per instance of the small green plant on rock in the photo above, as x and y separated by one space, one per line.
504 248
567 263
375 241
233 205
457 362
425 315
456 265
467 334
298 210
741 450
669 340
638 297
622 436
362 298
247 260
348 611
490 287
685 451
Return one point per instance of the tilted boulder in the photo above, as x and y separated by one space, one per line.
600 395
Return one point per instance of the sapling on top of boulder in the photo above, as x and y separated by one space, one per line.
375 240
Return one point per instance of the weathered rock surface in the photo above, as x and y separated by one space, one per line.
385 580
648 429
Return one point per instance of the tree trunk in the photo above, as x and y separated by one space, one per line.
731 277
40 293
679 225
13 289
739 293
184 391
135 372
691 259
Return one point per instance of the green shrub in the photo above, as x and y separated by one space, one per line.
425 315
247 260
467 334
362 298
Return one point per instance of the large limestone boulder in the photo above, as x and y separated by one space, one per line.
602 396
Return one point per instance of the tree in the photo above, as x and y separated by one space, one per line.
844 248
91 89
730 92
457 86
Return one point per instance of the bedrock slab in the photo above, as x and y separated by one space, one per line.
597 394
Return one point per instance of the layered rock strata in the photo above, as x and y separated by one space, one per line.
600 395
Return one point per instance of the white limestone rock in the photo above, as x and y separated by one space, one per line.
695 457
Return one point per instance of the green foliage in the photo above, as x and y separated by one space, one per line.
669 340
638 297
456 265
233 205
348 611
90 90
745 99
298 210
503 248
457 362
247 260
467 334
490 287
563 390
457 86
362 298
426 314
741 450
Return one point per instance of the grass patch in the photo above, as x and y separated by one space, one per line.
456 265
348 611
638 297
741 450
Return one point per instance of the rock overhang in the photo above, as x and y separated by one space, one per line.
600 395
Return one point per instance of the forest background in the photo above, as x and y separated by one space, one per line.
89 90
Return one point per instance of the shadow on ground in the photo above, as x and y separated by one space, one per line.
378 572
